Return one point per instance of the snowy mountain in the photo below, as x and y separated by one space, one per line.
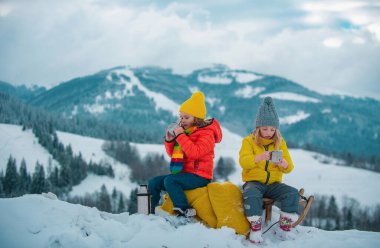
148 96
21 92
44 221
311 170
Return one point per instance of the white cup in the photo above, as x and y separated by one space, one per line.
275 156
172 127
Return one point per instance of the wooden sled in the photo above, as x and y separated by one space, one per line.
268 203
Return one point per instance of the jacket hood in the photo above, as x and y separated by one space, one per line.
214 126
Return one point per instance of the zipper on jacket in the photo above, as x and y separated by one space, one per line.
266 166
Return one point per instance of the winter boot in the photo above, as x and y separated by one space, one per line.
255 235
284 230
188 213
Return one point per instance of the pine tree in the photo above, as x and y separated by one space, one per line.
132 203
2 194
50 165
53 180
89 200
54 177
114 200
39 184
25 180
104 200
349 220
328 226
375 220
121 207
65 177
333 212
11 178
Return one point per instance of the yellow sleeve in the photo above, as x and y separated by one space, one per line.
286 156
246 155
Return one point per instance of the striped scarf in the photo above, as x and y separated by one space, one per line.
178 156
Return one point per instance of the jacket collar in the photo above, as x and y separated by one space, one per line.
264 141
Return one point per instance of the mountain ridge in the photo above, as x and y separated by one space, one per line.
147 97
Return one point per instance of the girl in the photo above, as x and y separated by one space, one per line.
263 178
191 149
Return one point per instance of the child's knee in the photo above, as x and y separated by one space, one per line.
294 191
289 202
292 195
168 181
253 206
252 203
153 184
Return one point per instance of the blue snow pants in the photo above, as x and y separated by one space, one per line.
254 192
174 185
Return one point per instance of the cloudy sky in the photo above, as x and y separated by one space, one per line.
325 45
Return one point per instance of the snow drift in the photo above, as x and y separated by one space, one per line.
44 221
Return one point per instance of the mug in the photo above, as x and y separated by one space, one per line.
172 127
275 156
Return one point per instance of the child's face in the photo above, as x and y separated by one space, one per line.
186 120
267 132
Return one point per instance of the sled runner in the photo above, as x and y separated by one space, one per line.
268 203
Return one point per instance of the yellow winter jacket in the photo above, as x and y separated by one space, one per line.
263 171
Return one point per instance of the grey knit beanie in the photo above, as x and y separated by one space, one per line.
267 115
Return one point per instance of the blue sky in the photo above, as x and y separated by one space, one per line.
325 45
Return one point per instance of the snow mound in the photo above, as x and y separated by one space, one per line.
40 221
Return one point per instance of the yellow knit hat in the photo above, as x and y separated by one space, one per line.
195 105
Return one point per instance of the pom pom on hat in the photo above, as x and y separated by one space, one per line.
195 105
267 114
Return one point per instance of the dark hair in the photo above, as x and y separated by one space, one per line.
198 122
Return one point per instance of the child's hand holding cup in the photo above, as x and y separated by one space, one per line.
173 130
275 156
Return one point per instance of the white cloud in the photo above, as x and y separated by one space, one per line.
333 6
375 30
358 40
358 19
333 42
70 39
5 9
315 19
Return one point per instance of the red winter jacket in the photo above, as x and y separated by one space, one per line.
199 149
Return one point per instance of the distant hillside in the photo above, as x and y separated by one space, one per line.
14 111
21 92
147 99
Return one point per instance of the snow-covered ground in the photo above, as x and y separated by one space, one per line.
42 221
22 144
91 150
316 177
